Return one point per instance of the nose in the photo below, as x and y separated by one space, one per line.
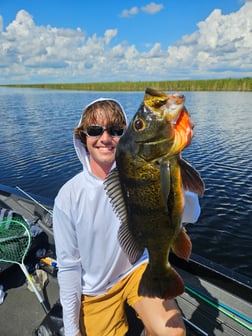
105 136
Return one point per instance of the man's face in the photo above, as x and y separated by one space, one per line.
102 148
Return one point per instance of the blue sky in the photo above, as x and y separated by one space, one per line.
54 41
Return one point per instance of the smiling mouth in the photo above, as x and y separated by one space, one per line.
106 149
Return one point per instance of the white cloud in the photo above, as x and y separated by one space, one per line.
152 8
129 12
222 44
220 47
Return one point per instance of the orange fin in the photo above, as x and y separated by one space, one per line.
182 246
167 285
191 178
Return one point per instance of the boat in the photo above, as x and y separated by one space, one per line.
216 301
21 312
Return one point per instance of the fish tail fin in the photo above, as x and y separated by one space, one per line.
182 246
165 286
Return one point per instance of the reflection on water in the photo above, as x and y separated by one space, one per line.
36 153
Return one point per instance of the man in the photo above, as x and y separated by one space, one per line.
95 275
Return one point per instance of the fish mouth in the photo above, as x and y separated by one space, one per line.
173 108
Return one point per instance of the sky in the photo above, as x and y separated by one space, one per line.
62 41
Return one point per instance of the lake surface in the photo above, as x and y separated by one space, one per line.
37 154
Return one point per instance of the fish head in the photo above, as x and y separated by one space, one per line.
161 126
165 105
172 109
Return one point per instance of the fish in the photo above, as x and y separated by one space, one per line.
146 189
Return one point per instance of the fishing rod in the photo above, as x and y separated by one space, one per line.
231 313
34 200
195 327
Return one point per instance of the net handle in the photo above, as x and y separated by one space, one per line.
30 279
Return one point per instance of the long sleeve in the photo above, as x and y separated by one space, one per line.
69 275
192 208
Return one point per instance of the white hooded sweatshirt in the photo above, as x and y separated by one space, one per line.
89 256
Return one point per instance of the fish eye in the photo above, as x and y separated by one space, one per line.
159 103
139 124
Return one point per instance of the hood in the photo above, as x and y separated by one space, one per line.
81 152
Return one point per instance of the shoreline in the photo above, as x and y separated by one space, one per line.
229 84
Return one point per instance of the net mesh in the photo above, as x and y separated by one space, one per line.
15 240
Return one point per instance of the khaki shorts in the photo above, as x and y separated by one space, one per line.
104 315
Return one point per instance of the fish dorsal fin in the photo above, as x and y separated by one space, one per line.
115 194
126 239
191 179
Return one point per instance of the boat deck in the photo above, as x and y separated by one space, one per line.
21 312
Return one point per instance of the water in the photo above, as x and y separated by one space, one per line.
37 154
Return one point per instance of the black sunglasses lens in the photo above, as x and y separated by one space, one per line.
95 131
115 132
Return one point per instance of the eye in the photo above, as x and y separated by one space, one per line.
139 124
159 103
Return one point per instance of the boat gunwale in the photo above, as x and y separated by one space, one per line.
7 191
220 276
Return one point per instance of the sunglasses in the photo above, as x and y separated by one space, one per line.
96 131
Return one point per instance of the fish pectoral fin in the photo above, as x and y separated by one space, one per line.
182 246
165 180
191 179
114 191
